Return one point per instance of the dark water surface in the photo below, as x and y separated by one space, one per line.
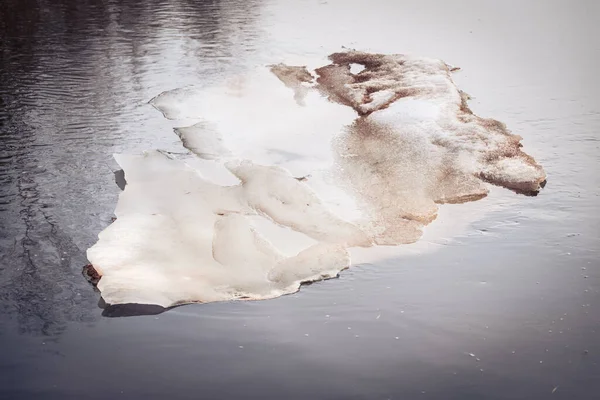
507 309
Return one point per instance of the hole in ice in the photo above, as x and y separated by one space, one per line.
356 68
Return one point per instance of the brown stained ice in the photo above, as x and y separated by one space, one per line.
400 170
295 78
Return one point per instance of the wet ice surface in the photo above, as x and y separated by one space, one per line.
181 238
510 289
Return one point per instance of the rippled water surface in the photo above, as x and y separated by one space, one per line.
504 308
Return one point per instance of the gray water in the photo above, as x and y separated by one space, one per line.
519 288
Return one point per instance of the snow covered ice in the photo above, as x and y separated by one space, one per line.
324 161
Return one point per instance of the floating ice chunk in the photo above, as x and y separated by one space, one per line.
353 158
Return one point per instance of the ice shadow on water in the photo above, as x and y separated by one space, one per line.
130 309
134 309
120 179
120 310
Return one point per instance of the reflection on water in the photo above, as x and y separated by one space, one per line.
74 82
520 289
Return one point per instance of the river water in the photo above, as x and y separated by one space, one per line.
506 307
